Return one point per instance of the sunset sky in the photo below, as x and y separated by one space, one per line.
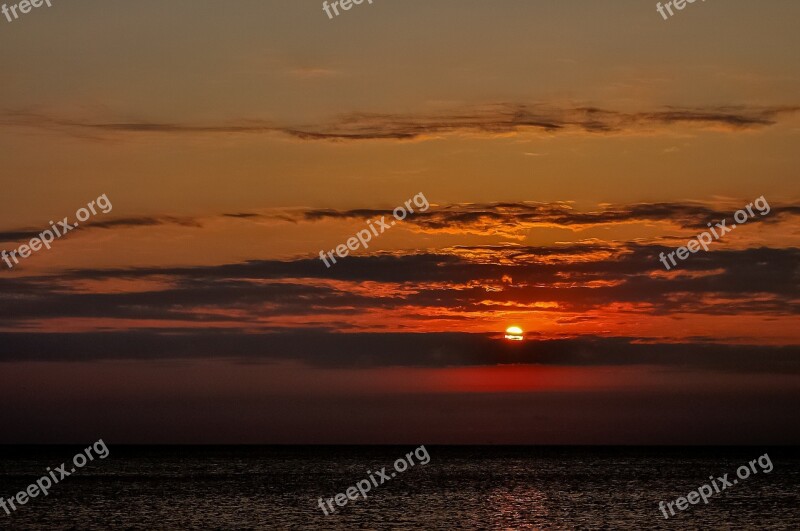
561 146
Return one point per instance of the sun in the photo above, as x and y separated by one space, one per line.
515 333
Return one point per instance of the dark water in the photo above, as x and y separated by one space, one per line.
460 488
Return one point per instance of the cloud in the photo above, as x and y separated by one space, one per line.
507 219
517 118
487 120
119 223
368 350
457 283
512 219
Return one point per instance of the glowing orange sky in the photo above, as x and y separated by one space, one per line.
561 149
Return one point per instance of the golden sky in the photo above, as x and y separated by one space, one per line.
561 147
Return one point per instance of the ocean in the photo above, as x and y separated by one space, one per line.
466 487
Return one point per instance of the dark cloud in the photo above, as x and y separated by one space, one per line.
493 119
146 222
513 217
366 350
760 281
119 223
242 215
482 218
516 118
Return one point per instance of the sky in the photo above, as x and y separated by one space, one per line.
555 150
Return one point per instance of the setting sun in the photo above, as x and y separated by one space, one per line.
514 333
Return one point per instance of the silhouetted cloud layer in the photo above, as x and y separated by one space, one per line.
560 280
118 223
299 310
510 219
366 350
495 119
